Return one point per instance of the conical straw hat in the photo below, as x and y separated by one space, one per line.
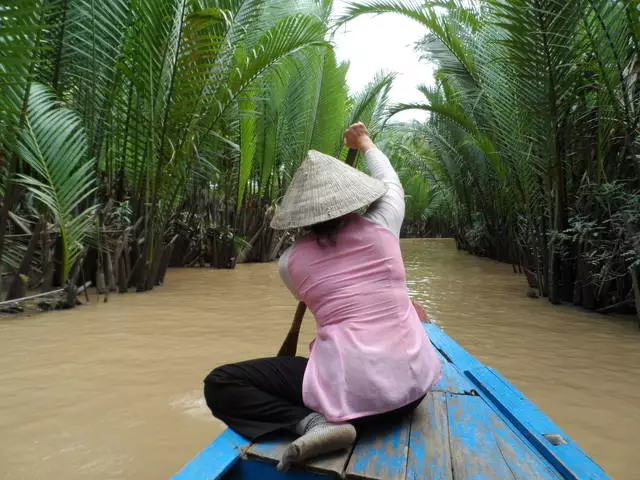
324 188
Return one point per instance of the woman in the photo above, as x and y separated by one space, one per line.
371 359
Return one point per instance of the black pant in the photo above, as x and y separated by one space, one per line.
261 396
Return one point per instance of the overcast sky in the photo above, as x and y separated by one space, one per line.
384 42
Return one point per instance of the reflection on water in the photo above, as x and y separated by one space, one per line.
112 391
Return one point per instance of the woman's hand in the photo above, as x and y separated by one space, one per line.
357 136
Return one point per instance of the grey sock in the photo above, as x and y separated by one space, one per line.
310 421
318 436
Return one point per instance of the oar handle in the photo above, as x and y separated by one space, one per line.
352 154
290 345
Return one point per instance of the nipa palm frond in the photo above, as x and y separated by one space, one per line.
370 101
19 29
54 145
332 107
287 37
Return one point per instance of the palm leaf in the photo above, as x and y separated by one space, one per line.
19 31
369 105
54 145
287 37
248 138
609 26
332 106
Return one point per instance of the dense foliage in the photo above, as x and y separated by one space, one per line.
531 151
135 134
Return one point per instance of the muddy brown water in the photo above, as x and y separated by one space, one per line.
113 391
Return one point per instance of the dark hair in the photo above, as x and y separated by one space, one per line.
326 232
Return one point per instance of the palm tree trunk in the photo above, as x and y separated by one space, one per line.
12 192
559 225
19 286
47 261
635 278
72 289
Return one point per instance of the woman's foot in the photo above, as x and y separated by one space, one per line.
318 437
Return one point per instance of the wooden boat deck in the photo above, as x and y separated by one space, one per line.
453 434
474 425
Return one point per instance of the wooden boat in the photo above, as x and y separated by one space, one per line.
474 425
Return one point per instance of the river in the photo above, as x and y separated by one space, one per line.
113 390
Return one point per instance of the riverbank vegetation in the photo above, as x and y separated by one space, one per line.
531 152
140 134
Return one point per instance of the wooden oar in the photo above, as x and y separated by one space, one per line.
290 344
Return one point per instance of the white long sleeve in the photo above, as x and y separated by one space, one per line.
283 267
388 211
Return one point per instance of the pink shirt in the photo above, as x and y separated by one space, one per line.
371 354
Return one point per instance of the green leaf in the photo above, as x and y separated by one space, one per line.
248 138
54 145
331 113
19 30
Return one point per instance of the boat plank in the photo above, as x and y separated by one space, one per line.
483 446
381 452
567 458
474 452
522 460
333 464
429 454
271 450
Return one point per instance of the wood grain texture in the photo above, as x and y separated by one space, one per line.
429 454
334 464
381 452
270 448
474 452
484 447
523 461
568 459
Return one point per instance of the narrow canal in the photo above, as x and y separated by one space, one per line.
113 390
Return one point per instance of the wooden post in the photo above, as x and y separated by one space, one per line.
110 272
100 277
127 256
19 286
166 258
11 195
142 264
156 261
47 260
123 278
635 278
72 290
